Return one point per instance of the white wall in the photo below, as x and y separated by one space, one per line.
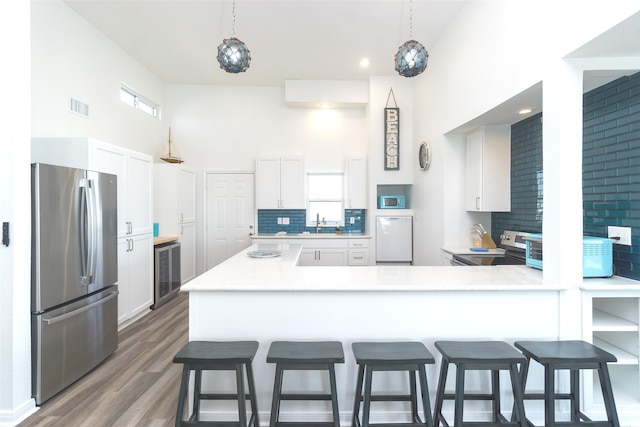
72 59
224 128
15 368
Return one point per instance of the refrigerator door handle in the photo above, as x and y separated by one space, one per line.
93 231
88 231
65 316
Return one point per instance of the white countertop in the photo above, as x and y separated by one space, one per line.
345 235
243 273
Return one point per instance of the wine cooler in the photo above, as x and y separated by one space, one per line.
166 272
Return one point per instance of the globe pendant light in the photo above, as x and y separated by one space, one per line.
412 57
233 54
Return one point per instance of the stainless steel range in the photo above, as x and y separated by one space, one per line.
514 247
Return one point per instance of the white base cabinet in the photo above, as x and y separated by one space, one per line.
135 267
323 257
323 252
187 239
319 252
358 252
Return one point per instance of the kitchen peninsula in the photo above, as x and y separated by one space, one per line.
275 299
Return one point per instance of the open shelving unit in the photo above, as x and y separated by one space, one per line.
614 321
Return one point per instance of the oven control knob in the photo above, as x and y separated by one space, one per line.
505 237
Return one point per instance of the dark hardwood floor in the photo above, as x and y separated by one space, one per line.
136 386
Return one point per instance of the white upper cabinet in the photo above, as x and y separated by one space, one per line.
138 191
356 183
187 195
488 169
174 197
280 183
134 171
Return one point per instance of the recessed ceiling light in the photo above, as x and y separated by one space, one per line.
525 111
364 63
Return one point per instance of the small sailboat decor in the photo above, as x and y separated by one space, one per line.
170 152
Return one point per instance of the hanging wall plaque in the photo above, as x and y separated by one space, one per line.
391 135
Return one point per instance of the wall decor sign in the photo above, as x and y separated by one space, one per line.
391 135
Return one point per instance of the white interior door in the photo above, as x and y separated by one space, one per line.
230 215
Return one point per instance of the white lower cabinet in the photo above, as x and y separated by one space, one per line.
135 276
323 257
323 252
338 251
611 323
187 251
358 252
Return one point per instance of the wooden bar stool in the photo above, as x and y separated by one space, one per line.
493 356
305 356
573 356
201 356
410 357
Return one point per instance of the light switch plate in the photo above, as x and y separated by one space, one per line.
285 221
280 220
620 235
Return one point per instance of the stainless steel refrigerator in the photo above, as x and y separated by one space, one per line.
394 239
74 275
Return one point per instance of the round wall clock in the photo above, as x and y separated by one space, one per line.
424 156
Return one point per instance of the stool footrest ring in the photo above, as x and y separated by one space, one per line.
306 396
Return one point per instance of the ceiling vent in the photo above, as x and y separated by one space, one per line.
78 107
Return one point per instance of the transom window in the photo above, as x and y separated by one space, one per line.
139 102
325 199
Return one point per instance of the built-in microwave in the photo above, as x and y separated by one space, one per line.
391 202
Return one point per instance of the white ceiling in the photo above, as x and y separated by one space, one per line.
288 39
306 39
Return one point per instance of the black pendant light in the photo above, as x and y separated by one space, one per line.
233 54
412 57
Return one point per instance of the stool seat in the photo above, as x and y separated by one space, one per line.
217 351
406 356
572 355
305 352
390 353
564 352
201 356
492 356
479 352
305 355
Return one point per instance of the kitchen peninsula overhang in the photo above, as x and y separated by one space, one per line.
243 273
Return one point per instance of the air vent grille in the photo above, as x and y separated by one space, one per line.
78 107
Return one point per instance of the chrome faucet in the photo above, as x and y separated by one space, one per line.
318 223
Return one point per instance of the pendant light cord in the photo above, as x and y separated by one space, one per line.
233 21
410 19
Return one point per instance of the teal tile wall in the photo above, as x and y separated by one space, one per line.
611 167
268 221
611 171
526 180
